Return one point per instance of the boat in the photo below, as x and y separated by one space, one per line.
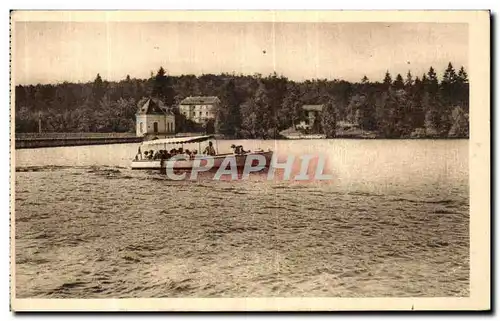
189 162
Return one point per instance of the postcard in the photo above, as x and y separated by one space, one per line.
250 160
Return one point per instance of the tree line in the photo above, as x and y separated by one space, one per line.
254 106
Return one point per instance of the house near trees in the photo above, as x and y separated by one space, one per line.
199 109
313 114
153 119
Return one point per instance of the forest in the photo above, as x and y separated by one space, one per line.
257 106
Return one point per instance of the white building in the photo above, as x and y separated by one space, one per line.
313 112
199 109
152 119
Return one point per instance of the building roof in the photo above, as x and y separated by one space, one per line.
152 107
313 107
199 100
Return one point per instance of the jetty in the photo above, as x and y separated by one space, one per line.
39 140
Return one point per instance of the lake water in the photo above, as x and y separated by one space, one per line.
393 221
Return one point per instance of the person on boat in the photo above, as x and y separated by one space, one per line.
238 150
139 153
188 153
151 154
209 150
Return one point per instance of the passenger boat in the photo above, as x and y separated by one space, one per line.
189 163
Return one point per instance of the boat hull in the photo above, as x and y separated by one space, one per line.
190 164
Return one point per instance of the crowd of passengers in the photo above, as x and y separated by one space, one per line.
165 154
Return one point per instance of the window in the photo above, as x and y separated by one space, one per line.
155 127
207 113
141 129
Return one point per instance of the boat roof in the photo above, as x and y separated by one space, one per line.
179 140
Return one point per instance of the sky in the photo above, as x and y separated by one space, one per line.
53 52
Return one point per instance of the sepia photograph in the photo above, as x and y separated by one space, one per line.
247 160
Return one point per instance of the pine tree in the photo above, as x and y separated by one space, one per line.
368 117
329 119
255 114
387 80
449 76
228 118
361 111
393 115
462 76
425 81
386 110
432 81
291 111
409 80
276 92
463 89
417 113
97 89
365 80
398 83
162 88
449 87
